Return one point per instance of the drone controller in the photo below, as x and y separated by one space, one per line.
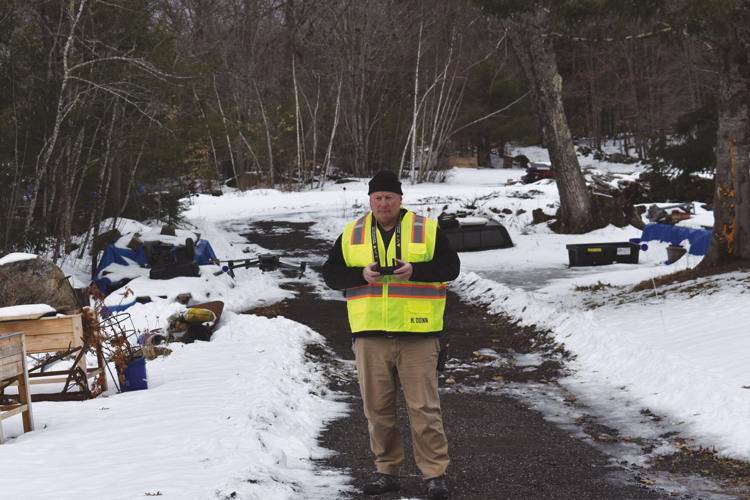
387 270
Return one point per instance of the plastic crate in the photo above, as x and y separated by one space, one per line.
600 254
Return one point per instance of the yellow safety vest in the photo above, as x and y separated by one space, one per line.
393 305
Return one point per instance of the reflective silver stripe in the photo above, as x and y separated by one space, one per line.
358 234
417 291
359 292
417 229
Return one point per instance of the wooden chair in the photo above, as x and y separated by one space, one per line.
13 366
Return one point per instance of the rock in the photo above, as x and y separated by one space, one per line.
36 281
135 242
102 240
538 216
603 437
521 160
608 210
184 298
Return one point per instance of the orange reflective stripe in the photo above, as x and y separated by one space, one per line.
360 292
358 233
418 229
406 291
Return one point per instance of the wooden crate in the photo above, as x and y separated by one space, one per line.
48 334
13 366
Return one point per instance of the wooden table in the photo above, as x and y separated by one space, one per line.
61 334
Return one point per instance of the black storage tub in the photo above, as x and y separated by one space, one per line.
477 237
599 254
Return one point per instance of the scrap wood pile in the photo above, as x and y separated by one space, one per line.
670 214
614 199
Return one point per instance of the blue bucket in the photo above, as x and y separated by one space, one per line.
135 376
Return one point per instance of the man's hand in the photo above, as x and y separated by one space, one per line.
369 274
403 271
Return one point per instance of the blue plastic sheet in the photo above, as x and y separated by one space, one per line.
204 254
699 238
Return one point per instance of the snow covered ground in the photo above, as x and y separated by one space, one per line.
238 414
242 413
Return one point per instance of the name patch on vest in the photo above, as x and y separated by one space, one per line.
420 320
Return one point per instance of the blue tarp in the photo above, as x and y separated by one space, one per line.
204 254
699 238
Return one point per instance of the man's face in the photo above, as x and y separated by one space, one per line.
385 206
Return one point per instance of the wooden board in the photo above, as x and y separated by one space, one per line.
10 367
48 334
11 355
9 345
9 411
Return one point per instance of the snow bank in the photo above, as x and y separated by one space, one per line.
679 355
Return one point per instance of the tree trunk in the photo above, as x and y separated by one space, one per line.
114 199
327 159
483 152
731 238
535 52
226 133
269 144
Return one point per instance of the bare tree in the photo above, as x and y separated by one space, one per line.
529 35
65 104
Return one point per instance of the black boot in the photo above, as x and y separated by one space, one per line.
436 488
379 484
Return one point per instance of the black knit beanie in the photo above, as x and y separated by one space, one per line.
385 180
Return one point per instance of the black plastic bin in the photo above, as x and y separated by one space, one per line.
477 237
599 254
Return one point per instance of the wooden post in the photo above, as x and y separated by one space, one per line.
24 395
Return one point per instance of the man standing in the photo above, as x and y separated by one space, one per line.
393 265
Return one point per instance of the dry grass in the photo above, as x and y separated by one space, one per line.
598 286
705 462
277 309
690 274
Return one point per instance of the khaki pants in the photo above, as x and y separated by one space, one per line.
382 365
